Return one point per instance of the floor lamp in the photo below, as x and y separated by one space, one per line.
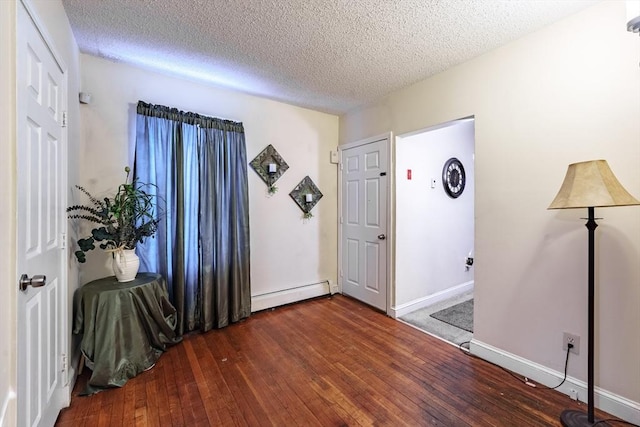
589 185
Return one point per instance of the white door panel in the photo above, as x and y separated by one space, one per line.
41 83
364 223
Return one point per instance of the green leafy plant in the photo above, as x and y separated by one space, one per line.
123 220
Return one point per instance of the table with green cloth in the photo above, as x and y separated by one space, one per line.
125 327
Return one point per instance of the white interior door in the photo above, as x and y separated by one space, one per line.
364 222
41 87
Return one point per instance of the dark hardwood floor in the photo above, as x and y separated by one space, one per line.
326 362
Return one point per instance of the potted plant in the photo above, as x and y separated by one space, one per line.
122 221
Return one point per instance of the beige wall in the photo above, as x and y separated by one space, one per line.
567 93
286 251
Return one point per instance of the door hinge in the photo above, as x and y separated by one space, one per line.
63 363
64 119
341 220
63 240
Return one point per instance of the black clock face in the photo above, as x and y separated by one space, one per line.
453 177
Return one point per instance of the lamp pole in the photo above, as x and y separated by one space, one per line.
571 418
591 226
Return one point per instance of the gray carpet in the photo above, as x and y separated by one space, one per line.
459 315
422 320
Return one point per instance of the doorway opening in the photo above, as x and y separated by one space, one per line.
434 217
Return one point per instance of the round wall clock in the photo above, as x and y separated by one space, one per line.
453 177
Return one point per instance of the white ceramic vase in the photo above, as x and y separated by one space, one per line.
125 264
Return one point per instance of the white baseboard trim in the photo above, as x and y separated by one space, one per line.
71 382
417 304
614 404
288 296
4 419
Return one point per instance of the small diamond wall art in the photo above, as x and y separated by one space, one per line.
270 166
306 194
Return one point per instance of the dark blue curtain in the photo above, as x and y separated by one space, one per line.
197 167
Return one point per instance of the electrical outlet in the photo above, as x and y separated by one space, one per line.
567 339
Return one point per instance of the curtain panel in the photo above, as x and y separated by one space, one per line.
197 167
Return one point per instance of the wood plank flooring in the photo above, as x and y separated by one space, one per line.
327 362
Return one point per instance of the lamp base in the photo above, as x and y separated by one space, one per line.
573 418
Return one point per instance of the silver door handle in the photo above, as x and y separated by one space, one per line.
35 281
381 236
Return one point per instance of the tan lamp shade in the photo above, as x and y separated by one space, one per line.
591 184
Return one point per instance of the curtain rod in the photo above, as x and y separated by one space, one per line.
169 113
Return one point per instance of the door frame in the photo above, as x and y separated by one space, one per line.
8 217
390 278
65 337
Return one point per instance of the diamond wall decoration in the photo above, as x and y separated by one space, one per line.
270 166
306 194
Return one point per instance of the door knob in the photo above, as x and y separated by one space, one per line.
381 236
35 281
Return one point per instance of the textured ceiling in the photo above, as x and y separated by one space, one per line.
328 55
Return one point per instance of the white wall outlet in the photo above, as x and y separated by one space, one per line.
567 339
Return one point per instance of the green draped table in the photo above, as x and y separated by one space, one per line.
125 327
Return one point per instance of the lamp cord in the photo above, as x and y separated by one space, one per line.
566 365
523 380
526 380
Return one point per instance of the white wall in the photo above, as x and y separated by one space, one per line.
55 25
567 93
286 251
434 233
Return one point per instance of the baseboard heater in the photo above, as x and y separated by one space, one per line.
291 295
